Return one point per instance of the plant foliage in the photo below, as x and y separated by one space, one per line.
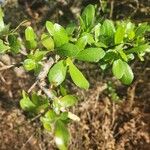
106 43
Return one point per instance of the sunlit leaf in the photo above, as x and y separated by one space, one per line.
57 73
68 101
91 54
47 41
118 68
60 35
128 75
26 104
119 35
68 49
88 15
29 64
77 77
61 135
3 47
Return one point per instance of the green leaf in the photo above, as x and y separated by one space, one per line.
77 76
70 28
110 56
107 29
100 44
14 43
29 64
63 90
141 29
68 101
50 27
3 47
82 24
2 25
57 73
139 49
51 116
128 75
26 104
60 35
46 124
91 54
47 41
30 38
119 35
118 68
31 44
69 50
40 102
97 32
29 34
64 116
38 55
88 15
85 39
61 135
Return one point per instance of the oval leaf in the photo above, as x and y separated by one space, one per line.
68 49
77 76
88 15
107 28
57 73
29 34
118 68
91 54
119 35
50 27
47 42
26 104
128 75
61 135
29 64
68 101
60 35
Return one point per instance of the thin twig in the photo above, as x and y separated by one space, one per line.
43 74
33 85
27 141
111 8
6 67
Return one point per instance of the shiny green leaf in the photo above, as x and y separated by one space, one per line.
50 27
29 64
77 77
57 73
26 104
88 15
119 35
118 68
60 35
3 47
47 42
91 54
29 34
128 75
69 50
68 101
14 43
61 135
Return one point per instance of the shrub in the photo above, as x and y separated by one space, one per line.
103 42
